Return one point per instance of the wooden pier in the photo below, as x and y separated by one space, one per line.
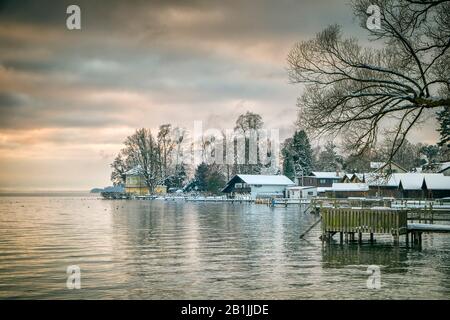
349 222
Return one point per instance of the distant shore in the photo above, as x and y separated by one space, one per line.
46 193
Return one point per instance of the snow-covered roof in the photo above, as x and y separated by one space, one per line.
324 189
437 182
443 166
414 181
382 180
327 174
409 180
300 187
271 180
377 166
350 187
134 171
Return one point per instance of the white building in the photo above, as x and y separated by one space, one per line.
258 186
301 192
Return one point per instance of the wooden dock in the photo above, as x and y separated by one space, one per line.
350 222
417 229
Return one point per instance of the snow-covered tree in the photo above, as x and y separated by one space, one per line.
120 166
297 155
443 117
142 150
329 159
245 125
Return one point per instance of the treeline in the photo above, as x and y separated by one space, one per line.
298 157
166 158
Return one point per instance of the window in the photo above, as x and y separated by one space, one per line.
310 193
322 181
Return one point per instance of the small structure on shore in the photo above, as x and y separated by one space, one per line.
436 186
345 190
387 167
301 192
322 179
257 186
400 185
135 184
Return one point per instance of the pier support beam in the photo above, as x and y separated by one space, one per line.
396 238
360 237
371 237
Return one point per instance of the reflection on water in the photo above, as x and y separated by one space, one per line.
178 250
389 256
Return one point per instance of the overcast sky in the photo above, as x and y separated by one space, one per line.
69 98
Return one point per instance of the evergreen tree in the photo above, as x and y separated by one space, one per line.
201 177
328 159
443 118
215 180
297 155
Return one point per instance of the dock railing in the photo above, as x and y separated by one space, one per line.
348 222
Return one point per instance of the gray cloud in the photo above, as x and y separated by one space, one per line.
143 63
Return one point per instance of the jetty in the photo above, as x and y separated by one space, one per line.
350 223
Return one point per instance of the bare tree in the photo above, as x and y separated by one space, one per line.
357 90
142 149
246 125
166 145
120 166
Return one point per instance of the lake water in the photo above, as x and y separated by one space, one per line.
180 250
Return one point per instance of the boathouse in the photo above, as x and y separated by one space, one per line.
345 190
301 192
258 186
387 167
436 186
135 183
322 179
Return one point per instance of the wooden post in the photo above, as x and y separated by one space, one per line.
371 237
360 237
341 237
407 238
396 238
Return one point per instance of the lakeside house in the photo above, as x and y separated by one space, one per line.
321 179
135 183
387 167
436 186
403 185
345 190
258 186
